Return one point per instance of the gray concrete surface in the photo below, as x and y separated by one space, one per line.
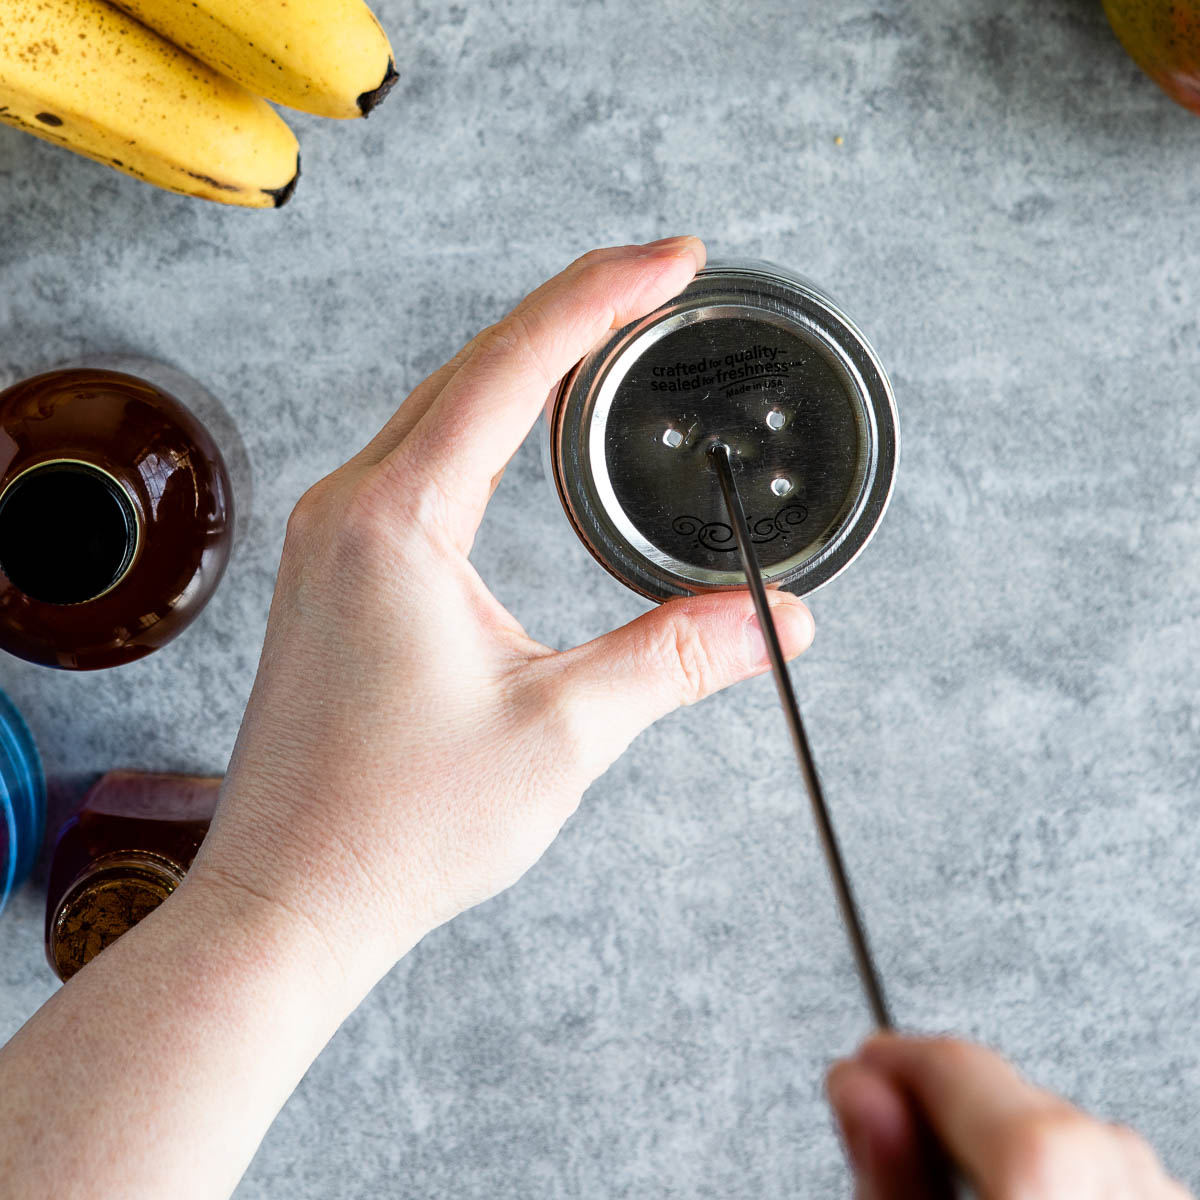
1002 693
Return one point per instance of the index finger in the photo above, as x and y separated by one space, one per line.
404 419
483 413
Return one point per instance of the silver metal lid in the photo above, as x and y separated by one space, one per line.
764 361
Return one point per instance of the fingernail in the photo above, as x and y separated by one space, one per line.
793 623
678 240
674 247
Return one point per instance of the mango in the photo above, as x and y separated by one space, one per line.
1163 38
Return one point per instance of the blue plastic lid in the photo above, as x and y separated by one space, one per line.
22 800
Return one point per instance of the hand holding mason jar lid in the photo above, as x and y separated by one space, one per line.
762 360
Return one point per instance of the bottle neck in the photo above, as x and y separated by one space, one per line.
111 896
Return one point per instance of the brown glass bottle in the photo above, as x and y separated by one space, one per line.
116 518
123 852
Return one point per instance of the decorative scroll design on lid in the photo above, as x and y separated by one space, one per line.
718 536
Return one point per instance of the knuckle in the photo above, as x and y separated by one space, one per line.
603 283
681 648
601 267
504 335
516 339
307 514
592 258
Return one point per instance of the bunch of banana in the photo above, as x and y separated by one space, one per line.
169 90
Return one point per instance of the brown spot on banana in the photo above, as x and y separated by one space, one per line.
49 118
224 187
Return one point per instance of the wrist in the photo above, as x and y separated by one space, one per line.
259 938
293 933
200 1021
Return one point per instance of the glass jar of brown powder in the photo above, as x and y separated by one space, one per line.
121 854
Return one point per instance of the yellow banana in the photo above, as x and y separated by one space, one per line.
87 76
329 57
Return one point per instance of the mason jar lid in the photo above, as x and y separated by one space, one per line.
764 361
22 800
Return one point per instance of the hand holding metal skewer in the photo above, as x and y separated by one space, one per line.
955 1188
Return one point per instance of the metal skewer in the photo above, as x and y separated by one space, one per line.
808 770
949 1178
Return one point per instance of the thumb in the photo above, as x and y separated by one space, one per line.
888 1150
674 655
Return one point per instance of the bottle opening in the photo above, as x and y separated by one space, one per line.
68 532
